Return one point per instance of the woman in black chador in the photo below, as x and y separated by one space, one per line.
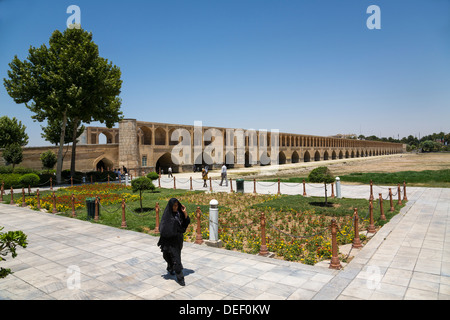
174 223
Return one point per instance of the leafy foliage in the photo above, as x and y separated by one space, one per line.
13 153
8 243
142 184
12 131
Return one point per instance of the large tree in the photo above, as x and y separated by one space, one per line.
67 81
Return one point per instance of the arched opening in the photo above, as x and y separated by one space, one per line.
295 158
325 155
281 158
317 156
104 165
146 135
164 162
353 154
347 155
173 143
333 155
248 159
104 138
306 157
160 137
341 155
230 160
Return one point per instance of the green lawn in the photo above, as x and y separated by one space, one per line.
427 178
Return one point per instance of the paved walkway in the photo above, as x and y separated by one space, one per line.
409 258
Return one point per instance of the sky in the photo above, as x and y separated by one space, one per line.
299 66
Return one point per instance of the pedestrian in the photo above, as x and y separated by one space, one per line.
170 172
205 177
224 175
174 223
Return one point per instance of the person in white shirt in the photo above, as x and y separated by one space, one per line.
170 172
224 175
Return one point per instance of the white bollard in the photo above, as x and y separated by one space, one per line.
127 182
214 220
338 188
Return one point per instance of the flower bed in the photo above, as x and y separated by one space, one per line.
294 236
107 193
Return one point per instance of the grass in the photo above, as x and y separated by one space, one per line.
427 178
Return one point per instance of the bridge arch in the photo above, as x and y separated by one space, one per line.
295 158
317 156
306 157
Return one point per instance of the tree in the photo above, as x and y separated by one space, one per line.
429 146
52 132
8 243
142 184
321 175
13 154
67 81
12 131
48 160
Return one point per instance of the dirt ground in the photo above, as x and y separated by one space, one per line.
391 163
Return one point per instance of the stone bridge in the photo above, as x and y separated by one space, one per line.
148 146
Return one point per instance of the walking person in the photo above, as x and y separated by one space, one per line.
205 178
170 173
174 223
224 175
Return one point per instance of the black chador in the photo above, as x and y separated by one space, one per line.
174 223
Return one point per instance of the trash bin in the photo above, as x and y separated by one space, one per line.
240 185
90 206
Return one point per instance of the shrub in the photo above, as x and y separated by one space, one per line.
48 160
153 175
29 179
321 175
142 184
10 180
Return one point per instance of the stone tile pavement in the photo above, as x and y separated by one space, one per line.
409 258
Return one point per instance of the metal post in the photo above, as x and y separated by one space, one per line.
73 206
279 191
391 201
23 198
12 196
54 203
371 190
174 183
231 185
157 217
399 195
304 188
263 251
335 263
96 208
190 188
198 238
382 216
332 190
38 200
124 220
356 241
371 228
2 191
254 185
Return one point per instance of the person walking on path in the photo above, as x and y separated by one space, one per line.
174 223
205 177
170 173
224 175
